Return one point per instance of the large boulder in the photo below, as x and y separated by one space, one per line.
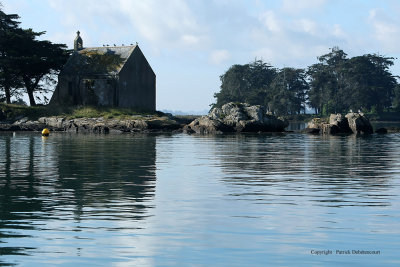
237 117
54 122
315 124
233 113
358 123
207 124
327 128
341 123
338 124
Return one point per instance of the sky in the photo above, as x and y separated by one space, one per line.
190 43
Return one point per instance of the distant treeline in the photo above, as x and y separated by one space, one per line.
336 84
27 65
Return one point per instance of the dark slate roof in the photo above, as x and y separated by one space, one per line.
98 60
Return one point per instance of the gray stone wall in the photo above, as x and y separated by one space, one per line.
65 90
137 83
97 91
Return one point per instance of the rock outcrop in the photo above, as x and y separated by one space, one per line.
359 123
96 125
237 117
338 124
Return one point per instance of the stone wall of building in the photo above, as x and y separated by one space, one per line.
137 83
132 86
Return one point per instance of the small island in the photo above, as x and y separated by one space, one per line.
113 89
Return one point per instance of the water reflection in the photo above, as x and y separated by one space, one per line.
353 170
19 195
71 178
97 172
331 170
296 126
234 200
263 156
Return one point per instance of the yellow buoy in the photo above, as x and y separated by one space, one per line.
45 132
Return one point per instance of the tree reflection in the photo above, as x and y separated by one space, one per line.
262 156
349 164
19 195
100 169
326 168
79 177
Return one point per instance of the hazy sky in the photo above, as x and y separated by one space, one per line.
189 44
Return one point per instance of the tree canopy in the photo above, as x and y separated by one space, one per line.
8 76
26 63
282 91
334 84
339 84
246 83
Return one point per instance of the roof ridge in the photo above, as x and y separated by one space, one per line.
109 46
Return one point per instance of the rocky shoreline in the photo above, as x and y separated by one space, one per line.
96 125
230 118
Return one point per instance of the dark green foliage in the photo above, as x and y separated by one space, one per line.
9 79
287 92
258 83
396 98
38 61
371 85
327 82
245 83
339 84
336 84
25 61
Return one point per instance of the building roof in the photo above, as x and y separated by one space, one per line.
98 60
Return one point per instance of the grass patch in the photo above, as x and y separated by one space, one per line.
12 112
96 112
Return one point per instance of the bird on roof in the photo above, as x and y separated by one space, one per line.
114 45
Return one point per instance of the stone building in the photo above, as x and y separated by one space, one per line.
117 76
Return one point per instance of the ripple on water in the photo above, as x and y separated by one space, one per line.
172 200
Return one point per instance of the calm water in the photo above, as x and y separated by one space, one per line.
181 200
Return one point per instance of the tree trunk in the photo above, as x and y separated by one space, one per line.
8 94
31 97
7 87
29 90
